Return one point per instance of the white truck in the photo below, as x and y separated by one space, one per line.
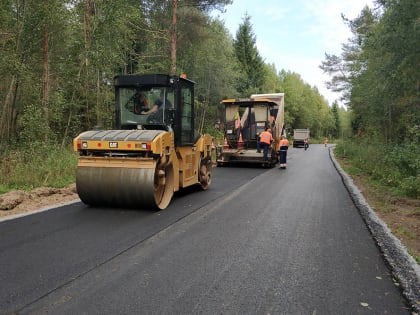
299 136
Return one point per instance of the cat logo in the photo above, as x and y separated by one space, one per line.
113 145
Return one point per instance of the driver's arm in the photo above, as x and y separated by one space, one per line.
152 110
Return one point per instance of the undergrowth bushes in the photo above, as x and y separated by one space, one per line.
35 166
395 166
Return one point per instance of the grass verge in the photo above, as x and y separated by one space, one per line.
37 166
392 202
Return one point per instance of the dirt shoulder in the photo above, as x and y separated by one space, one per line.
401 214
20 202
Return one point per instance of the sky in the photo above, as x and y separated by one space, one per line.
295 35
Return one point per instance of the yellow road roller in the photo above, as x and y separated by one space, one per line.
153 151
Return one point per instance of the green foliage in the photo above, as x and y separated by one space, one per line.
394 166
378 70
32 125
337 125
38 165
253 71
212 68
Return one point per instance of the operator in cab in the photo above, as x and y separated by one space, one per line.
158 104
140 103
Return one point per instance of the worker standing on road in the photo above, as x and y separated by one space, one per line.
265 141
306 144
326 142
283 146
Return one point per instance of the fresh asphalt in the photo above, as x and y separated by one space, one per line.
259 241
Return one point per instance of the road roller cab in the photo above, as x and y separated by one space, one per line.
152 152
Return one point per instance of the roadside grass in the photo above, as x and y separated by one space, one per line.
37 166
378 172
398 168
403 232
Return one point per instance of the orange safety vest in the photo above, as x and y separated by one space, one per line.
266 137
283 142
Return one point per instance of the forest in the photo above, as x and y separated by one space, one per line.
59 58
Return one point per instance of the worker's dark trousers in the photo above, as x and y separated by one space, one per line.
283 154
265 147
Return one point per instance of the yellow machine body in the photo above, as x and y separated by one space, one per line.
142 167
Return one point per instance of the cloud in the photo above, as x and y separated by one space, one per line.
274 13
328 24
295 35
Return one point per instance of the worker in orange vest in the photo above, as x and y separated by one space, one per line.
265 141
282 148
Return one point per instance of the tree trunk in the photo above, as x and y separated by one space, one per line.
45 76
88 11
98 96
7 112
88 44
173 38
66 131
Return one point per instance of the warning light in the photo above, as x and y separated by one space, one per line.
146 146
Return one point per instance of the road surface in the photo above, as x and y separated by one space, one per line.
259 241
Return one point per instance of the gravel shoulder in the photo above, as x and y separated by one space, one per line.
405 269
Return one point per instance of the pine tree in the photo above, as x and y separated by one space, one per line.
252 65
336 130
